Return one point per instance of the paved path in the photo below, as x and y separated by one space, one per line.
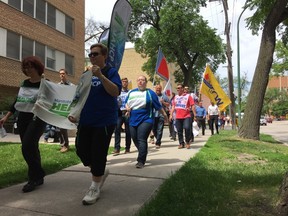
125 191
126 188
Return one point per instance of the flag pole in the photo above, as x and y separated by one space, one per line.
155 68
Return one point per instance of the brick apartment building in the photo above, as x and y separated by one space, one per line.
131 67
50 29
280 82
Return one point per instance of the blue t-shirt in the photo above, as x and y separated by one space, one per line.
142 104
101 109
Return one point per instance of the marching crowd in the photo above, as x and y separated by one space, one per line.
109 105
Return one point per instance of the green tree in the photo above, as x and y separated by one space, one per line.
280 63
268 16
244 84
275 102
184 37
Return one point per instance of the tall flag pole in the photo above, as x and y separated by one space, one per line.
211 88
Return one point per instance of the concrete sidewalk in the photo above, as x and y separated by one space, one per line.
126 189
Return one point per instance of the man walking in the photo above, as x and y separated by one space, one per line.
213 115
182 104
64 141
201 116
158 124
122 118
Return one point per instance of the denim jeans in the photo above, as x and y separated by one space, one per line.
139 136
122 119
158 127
186 125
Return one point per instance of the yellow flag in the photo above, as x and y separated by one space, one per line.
211 88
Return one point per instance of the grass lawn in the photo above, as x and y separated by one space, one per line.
229 176
13 168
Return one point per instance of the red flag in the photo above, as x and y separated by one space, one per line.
168 89
161 66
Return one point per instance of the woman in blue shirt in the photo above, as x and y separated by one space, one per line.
98 120
140 103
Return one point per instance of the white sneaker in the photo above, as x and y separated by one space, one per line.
106 173
92 195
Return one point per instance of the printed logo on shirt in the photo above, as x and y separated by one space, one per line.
181 102
123 97
137 100
95 81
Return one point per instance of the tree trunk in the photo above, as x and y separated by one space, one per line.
251 122
282 205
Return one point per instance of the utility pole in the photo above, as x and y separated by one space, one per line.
229 68
238 67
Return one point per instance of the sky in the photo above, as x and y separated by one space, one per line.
213 13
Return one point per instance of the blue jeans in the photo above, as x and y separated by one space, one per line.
186 125
122 119
158 127
139 136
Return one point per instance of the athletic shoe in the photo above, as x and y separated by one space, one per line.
106 173
139 165
31 185
92 195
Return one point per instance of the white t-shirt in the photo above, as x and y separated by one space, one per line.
213 110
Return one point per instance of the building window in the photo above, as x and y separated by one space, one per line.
28 7
50 59
69 26
51 16
15 3
69 64
46 13
13 45
41 10
40 51
27 47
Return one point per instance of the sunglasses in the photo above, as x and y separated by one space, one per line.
179 87
93 54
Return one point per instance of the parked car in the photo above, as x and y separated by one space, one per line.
269 119
263 121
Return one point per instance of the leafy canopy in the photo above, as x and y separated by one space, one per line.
184 37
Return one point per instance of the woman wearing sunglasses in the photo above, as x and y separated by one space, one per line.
98 119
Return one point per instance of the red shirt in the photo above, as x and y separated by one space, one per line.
182 104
